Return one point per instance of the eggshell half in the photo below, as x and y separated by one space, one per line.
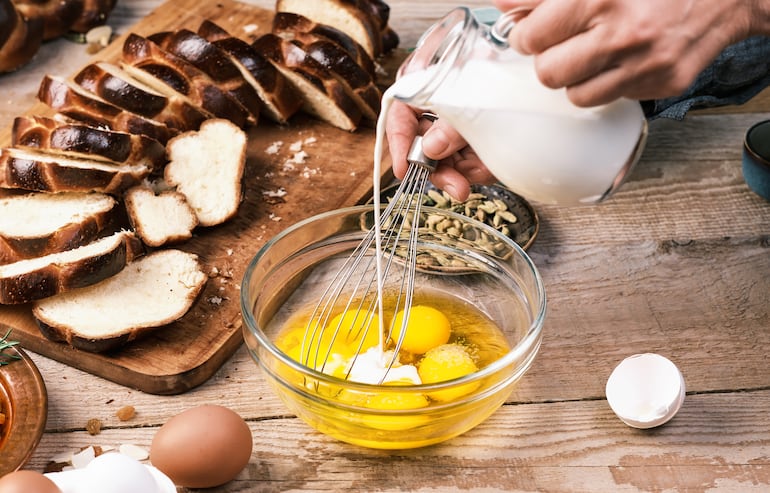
645 390
202 447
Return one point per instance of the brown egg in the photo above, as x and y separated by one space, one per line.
27 482
202 447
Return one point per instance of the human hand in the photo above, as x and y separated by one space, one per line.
600 50
458 167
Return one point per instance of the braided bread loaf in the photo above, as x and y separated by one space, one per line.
25 24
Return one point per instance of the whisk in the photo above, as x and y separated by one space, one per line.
356 288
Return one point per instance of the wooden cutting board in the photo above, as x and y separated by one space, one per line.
336 173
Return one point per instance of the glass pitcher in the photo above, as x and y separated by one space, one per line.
532 138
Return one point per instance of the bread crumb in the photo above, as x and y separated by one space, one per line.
250 28
94 426
214 272
126 413
308 172
281 192
310 140
273 217
296 146
229 252
215 300
274 147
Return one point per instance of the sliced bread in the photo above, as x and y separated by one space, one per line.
207 167
323 95
49 275
31 169
346 15
116 86
149 293
73 101
84 141
163 71
38 224
159 219
215 63
291 26
279 97
357 82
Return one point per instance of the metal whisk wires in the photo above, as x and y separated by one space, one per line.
354 289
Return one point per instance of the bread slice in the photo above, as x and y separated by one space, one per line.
147 294
357 83
207 167
84 141
117 87
30 169
163 71
291 26
49 275
324 96
346 15
38 224
215 63
279 97
75 102
159 219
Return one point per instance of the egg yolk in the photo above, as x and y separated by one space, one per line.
390 401
325 349
447 362
358 329
425 329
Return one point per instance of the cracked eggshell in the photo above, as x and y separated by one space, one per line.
645 390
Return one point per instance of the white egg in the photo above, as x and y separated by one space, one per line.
645 390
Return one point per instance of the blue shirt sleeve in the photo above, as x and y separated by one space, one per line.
740 72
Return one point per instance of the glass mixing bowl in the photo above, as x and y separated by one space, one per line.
481 268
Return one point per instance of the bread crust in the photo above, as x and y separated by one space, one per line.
182 77
356 81
19 285
292 26
81 140
57 16
110 83
325 97
23 37
280 99
29 170
346 15
94 13
65 98
81 230
215 63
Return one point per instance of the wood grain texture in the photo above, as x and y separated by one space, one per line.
677 263
337 173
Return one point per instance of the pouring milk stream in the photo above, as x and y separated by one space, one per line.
531 138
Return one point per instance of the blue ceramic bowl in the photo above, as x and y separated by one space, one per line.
756 159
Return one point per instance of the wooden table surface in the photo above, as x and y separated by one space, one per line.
677 263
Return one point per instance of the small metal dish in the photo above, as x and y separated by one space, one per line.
523 231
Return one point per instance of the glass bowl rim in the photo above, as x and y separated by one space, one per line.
529 343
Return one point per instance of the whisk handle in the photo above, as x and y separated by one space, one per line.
416 156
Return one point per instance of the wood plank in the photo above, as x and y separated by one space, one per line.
337 174
523 447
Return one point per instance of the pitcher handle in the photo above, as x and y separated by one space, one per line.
500 30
